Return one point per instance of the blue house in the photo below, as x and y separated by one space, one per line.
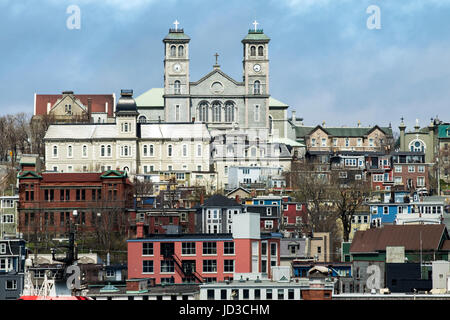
336 269
385 213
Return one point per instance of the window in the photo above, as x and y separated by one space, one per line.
229 112
147 266
359 142
253 51
228 266
257 113
209 266
209 248
169 150
417 146
147 248
385 210
398 169
84 153
324 142
273 249
203 111
2 248
11 285
257 87
180 51
371 142
185 150
335 142
268 224
145 150
313 142
260 51
228 247
347 142
177 87
398 180
216 111
411 169
421 169
280 294
420 181
173 51
188 248
125 151
142 119
8 218
55 151
268 294
199 151
343 174
167 266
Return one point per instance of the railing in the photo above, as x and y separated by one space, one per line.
184 274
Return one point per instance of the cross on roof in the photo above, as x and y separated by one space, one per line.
216 55
176 23
255 23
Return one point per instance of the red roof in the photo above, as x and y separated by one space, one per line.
98 102
71 177
408 236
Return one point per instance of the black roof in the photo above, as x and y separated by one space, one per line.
219 200
126 102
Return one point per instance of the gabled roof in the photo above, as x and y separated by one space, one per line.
219 72
219 200
412 237
236 189
341 131
29 175
98 102
114 174
151 98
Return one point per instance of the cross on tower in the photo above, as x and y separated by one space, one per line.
176 23
255 23
216 55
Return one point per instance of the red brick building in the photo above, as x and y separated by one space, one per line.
294 216
49 202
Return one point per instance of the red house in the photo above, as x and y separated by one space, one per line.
179 258
294 216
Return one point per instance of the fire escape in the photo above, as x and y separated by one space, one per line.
186 268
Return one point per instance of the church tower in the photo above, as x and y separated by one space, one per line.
176 76
256 78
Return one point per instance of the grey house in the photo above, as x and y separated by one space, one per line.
12 263
216 214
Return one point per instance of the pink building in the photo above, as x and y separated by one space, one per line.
179 258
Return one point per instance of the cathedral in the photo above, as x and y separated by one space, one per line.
196 131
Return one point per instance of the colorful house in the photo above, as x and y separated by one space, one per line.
205 257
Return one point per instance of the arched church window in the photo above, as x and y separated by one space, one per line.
257 87
180 51
229 111
260 51
253 51
417 146
203 111
216 111
177 87
173 51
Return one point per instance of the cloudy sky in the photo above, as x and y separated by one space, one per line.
324 60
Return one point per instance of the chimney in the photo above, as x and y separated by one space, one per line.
106 108
202 199
89 106
49 105
238 199
139 230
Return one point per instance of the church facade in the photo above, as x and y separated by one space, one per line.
208 125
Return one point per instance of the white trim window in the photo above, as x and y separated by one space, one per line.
411 169
185 150
371 142
324 142
199 150
84 151
170 150
69 151
54 151
421 181
125 151
421 169
398 169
